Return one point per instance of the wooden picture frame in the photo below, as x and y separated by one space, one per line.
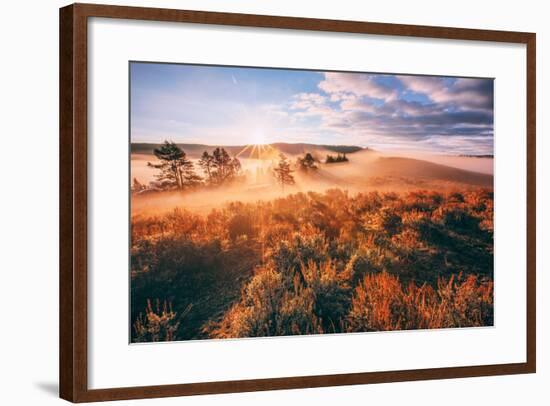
74 201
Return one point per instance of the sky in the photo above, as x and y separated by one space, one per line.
218 105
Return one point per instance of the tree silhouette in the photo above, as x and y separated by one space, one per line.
224 168
137 186
307 163
283 173
339 158
222 163
176 171
206 162
235 166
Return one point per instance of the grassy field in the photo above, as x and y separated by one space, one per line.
328 261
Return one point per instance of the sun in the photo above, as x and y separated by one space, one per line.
258 138
258 147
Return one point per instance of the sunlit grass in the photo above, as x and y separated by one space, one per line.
312 263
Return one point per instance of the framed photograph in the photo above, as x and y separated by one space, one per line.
255 202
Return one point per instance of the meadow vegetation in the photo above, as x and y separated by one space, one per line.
310 263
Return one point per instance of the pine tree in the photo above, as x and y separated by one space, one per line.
224 168
206 162
307 163
137 186
189 176
339 158
222 162
176 171
283 173
235 166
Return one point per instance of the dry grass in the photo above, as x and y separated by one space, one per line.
382 303
315 263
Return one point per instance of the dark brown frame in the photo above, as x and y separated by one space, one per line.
73 361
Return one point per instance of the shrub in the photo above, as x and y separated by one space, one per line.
382 303
254 315
303 247
317 263
464 302
316 302
457 218
159 325
359 265
386 221
329 292
240 225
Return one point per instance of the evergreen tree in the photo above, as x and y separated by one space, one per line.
339 158
235 166
137 186
206 162
176 171
190 177
283 173
224 168
307 163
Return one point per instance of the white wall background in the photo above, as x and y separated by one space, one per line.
28 203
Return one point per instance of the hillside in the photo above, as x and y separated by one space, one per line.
194 150
364 171
416 168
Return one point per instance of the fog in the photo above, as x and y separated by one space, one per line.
468 163
366 171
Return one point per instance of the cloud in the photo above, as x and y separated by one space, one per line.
340 85
304 101
189 102
469 94
403 109
465 93
423 84
394 108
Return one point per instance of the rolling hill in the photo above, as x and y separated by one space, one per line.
195 150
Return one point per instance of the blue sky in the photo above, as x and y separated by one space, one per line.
239 106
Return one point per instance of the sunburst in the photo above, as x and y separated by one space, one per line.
258 151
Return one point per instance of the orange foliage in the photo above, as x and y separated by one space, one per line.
314 263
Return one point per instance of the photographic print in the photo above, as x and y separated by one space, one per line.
274 202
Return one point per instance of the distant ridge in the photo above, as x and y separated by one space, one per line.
344 149
287 148
475 156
